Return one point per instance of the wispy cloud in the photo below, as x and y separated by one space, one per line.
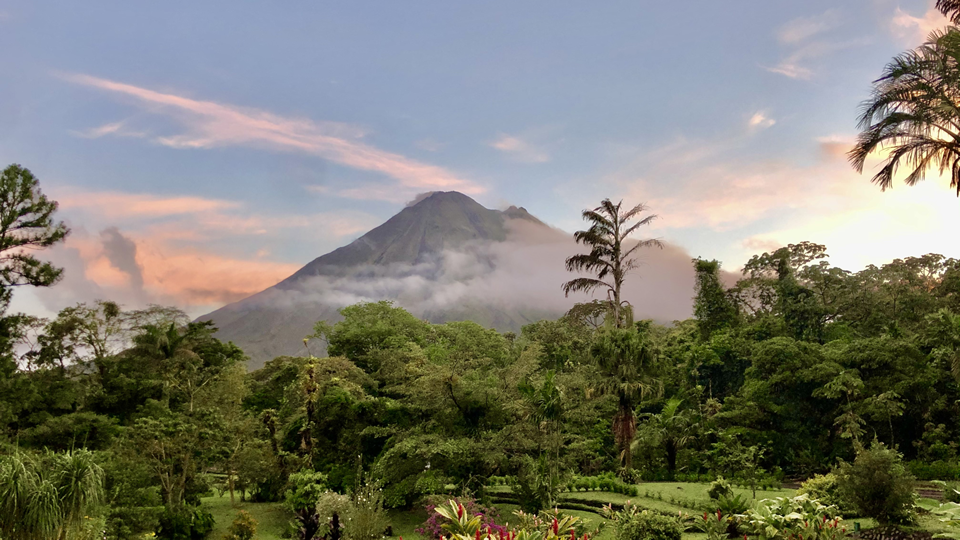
803 28
804 37
914 30
208 124
115 204
760 120
520 149
118 129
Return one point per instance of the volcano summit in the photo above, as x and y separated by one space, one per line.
444 257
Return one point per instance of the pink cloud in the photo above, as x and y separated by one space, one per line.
209 125
114 204
912 29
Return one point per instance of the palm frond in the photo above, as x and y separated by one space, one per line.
950 9
583 285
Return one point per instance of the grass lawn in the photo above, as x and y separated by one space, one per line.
271 518
405 522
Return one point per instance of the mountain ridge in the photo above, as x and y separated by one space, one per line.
274 321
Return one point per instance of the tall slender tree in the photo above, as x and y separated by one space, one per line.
914 113
610 258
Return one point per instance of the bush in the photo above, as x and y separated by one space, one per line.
936 470
732 504
788 518
535 487
366 519
185 524
433 527
720 488
951 492
328 504
244 527
826 489
878 485
647 525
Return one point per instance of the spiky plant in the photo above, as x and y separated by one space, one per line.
47 499
914 113
609 259
80 482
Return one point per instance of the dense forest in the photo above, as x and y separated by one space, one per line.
795 367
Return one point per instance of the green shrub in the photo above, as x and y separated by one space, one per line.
951 492
719 488
185 524
366 519
328 504
732 504
535 487
826 489
786 518
244 527
878 485
648 525
936 470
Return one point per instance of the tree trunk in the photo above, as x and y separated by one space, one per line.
230 483
624 428
671 458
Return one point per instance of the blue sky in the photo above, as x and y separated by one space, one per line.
203 150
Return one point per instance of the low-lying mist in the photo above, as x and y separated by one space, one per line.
523 273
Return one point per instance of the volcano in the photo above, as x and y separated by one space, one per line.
444 258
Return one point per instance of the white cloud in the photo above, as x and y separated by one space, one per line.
761 120
520 149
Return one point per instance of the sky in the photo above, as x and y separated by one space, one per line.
203 151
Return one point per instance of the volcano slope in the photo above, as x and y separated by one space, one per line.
443 258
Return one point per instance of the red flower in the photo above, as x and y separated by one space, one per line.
705 516
556 527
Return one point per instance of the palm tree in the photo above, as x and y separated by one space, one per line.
915 113
672 428
609 229
171 348
546 407
950 9
626 365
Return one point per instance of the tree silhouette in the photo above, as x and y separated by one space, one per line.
914 113
609 259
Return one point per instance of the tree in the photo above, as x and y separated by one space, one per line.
626 365
711 306
672 428
546 407
609 259
26 223
915 113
